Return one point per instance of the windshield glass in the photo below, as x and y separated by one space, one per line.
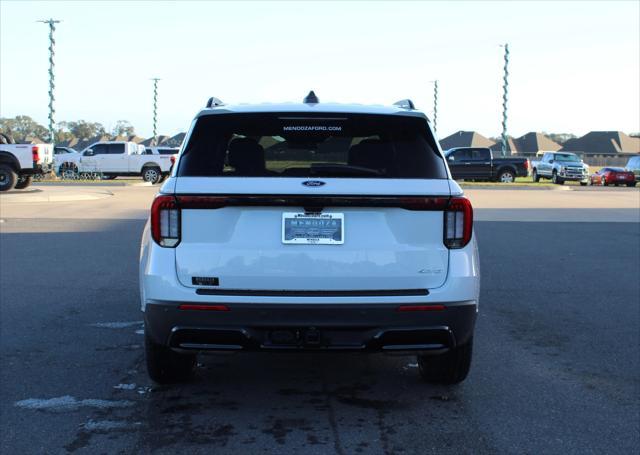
569 157
298 145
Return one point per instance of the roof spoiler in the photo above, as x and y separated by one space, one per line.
213 102
405 104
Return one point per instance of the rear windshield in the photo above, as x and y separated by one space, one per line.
294 145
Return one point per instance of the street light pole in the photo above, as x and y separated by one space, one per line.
155 110
52 86
505 93
435 106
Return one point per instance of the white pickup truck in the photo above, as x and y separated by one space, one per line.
19 163
113 159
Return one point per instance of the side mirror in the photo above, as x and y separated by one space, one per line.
88 152
551 161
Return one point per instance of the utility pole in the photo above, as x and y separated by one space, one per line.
52 28
435 106
155 110
505 93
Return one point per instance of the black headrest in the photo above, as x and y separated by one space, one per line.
246 156
370 153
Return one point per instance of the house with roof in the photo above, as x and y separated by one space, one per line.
603 143
528 144
151 143
175 141
465 139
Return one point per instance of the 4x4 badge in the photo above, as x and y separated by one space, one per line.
313 183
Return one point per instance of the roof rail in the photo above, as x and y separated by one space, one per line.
213 102
405 104
311 98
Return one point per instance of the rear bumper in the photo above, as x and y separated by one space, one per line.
311 327
37 169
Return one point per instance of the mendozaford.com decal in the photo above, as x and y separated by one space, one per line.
311 128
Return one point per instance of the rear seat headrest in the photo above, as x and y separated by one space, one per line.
246 156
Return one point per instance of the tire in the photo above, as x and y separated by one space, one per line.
68 171
536 177
631 184
449 368
555 179
23 182
583 183
506 176
8 178
151 174
165 366
603 181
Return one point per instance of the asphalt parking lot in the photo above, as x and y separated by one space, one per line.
556 367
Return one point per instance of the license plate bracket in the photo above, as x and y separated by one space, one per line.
313 228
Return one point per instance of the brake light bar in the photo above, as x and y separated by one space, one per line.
436 307
190 306
192 202
166 209
458 223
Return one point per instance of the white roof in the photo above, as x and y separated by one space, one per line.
303 108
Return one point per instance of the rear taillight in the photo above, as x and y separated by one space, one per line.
165 221
458 223
172 159
35 153
526 164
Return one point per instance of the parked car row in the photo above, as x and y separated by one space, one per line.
114 159
480 164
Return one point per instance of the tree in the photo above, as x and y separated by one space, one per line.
85 130
62 133
123 128
23 126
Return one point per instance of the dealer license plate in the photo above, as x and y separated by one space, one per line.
315 228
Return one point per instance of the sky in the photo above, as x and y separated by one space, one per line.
574 66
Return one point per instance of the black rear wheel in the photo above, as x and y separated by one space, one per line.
165 366
23 182
449 368
536 177
151 174
507 176
8 178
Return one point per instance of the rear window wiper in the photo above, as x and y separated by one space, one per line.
321 169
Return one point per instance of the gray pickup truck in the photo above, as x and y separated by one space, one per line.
478 163
560 167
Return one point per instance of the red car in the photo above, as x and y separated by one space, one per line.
613 176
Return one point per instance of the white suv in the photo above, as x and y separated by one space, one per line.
310 227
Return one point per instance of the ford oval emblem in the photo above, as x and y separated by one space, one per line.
313 183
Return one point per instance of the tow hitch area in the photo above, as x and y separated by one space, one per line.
310 337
